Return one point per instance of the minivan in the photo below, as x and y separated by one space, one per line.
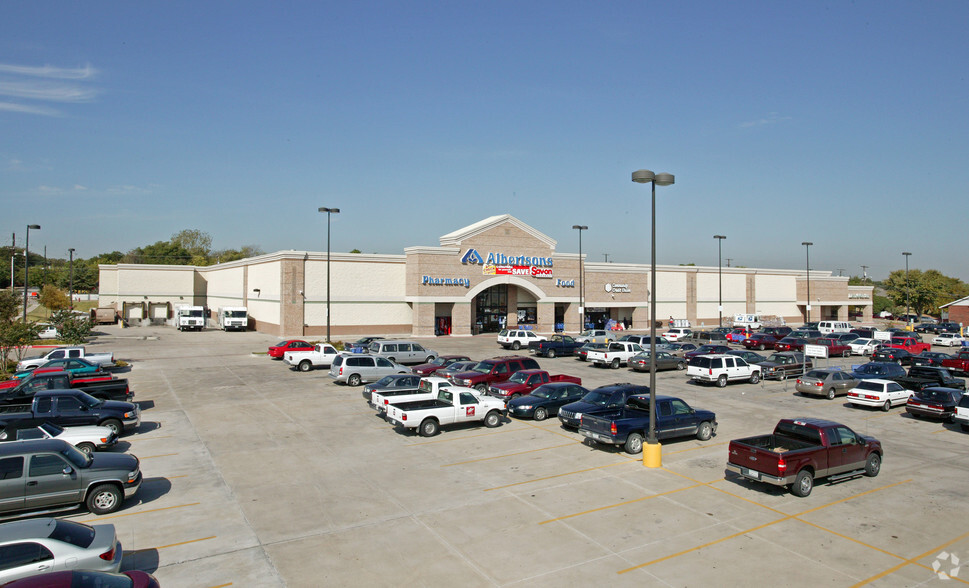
355 369
401 351
828 327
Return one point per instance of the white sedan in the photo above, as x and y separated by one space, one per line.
87 438
948 340
863 346
882 394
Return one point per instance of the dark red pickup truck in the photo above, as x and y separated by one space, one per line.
803 449
523 382
958 364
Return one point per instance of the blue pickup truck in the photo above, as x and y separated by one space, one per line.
629 425
557 345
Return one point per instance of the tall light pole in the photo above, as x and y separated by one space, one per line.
27 266
864 272
70 287
581 228
908 319
13 256
720 239
652 453
328 211
807 309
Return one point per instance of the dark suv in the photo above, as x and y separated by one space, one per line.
50 473
602 399
494 370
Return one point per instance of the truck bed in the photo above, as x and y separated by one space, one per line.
422 405
775 443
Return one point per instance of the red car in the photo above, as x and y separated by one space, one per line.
790 344
760 341
87 579
835 348
426 369
276 351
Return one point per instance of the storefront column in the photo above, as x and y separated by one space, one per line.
691 299
461 319
512 317
546 317
866 313
641 318
572 318
423 319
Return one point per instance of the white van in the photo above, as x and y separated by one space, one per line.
233 318
828 327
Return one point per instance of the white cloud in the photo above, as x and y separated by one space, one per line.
47 71
79 188
48 190
770 119
19 83
49 91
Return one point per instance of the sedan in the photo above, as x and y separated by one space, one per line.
930 358
760 341
392 382
828 383
790 344
664 361
936 403
864 346
899 356
455 368
738 335
88 579
279 349
878 370
948 340
438 363
546 400
680 349
749 356
51 545
882 394
708 349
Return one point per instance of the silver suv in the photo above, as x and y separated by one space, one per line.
48 474
400 351
354 369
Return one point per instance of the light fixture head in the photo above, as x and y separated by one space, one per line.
331 210
33 226
643 176
580 227
665 179
806 243
719 236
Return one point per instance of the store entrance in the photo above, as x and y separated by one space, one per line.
491 309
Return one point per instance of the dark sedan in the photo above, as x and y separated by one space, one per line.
760 341
778 332
664 361
439 363
790 344
934 403
545 401
455 368
878 370
392 383
708 349
899 356
749 356
930 358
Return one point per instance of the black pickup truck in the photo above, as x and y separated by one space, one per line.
629 426
99 387
557 345
68 408
920 377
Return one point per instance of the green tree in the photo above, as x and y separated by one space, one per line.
914 291
196 242
73 329
53 298
10 305
160 252
15 337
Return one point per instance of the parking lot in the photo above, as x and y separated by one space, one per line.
257 475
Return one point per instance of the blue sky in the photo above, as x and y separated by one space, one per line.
844 124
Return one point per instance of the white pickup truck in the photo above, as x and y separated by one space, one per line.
427 389
454 405
321 356
721 368
105 360
618 353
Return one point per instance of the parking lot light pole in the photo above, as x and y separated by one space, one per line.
328 212
27 266
908 319
807 309
720 239
581 228
70 283
652 452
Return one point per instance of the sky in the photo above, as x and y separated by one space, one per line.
844 124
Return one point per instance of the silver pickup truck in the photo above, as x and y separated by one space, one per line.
103 359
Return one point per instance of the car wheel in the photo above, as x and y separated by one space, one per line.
681 366
483 388
550 354
803 483
846 353
516 345
540 414
754 377
782 376
761 347
305 366
965 428
830 394
898 361
634 443
873 465
514 396
87 448
704 431
429 428
722 381
615 364
492 419
115 425
104 499
353 380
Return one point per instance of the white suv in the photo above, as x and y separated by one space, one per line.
676 333
962 413
518 338
722 368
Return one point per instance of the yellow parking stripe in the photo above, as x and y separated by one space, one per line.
128 514
640 499
447 465
159 455
913 560
175 544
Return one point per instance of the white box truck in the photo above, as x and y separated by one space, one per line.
233 318
190 318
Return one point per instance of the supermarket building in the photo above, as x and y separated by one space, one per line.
494 273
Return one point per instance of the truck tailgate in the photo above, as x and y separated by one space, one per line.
754 461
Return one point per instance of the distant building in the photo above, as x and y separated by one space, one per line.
958 310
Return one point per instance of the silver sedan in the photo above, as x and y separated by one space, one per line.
42 545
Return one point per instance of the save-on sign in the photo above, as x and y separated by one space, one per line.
815 351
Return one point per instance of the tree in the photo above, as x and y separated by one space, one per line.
9 306
72 328
196 242
53 298
160 252
16 337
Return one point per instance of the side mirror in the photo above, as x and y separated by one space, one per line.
67 471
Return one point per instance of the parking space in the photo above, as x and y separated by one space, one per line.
256 475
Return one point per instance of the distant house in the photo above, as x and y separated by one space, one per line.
958 310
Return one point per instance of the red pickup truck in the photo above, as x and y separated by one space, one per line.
803 449
523 382
958 364
911 344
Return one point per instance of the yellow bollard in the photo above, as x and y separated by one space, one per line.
652 455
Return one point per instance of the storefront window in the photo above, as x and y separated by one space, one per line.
527 316
492 309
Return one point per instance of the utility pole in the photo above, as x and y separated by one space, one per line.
606 256
864 270
841 272
729 259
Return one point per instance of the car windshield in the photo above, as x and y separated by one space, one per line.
869 386
385 381
72 533
51 429
76 457
519 377
483 367
540 392
819 374
597 398
936 395
281 344
438 361
88 400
